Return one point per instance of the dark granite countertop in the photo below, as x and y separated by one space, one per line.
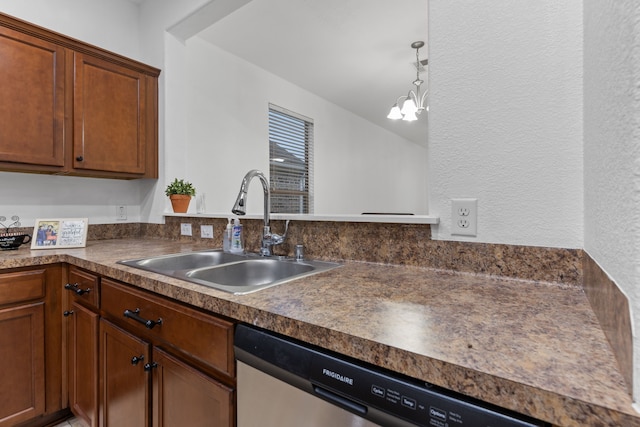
532 347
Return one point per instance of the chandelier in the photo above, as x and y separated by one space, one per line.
414 102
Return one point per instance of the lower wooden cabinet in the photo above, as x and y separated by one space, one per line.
124 378
123 371
30 346
184 396
22 369
181 395
82 295
120 371
82 355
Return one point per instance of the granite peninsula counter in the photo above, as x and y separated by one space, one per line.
532 347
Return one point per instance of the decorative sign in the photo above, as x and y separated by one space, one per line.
59 233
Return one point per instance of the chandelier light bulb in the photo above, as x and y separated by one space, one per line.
395 113
409 106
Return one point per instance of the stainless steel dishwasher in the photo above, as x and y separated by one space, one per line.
285 383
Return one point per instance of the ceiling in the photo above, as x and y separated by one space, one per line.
354 53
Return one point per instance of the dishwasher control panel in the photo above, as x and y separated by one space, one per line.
382 397
418 403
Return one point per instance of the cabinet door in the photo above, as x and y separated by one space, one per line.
83 363
22 344
124 381
110 114
183 396
32 79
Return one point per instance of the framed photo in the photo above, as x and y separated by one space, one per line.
59 233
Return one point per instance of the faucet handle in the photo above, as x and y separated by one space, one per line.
271 239
277 239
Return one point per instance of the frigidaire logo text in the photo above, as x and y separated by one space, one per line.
438 413
337 376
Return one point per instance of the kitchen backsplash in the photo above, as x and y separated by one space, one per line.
611 307
405 244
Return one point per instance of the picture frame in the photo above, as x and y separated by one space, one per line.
57 233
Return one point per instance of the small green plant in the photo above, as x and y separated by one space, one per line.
180 186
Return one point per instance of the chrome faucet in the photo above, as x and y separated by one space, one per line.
269 239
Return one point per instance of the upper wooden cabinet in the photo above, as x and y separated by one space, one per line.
109 103
72 108
33 109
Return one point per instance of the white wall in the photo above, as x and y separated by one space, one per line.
166 52
505 120
112 25
612 146
358 167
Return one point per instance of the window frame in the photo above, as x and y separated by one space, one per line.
290 161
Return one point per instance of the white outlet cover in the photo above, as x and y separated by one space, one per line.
464 217
206 231
185 229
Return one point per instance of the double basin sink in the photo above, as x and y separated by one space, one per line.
235 273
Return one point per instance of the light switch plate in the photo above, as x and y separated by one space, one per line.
185 229
121 212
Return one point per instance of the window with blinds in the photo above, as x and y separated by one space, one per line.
290 161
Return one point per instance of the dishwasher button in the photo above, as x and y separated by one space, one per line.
377 391
408 402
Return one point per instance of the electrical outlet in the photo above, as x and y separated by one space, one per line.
185 229
121 212
206 231
464 217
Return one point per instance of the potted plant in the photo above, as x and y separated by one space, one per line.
180 193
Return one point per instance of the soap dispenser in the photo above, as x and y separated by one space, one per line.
237 240
226 237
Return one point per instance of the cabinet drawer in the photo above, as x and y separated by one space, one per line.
196 334
83 286
22 286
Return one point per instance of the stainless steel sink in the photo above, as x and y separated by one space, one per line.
237 274
183 261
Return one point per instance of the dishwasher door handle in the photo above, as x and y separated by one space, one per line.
340 401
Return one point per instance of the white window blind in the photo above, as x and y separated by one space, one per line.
290 161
